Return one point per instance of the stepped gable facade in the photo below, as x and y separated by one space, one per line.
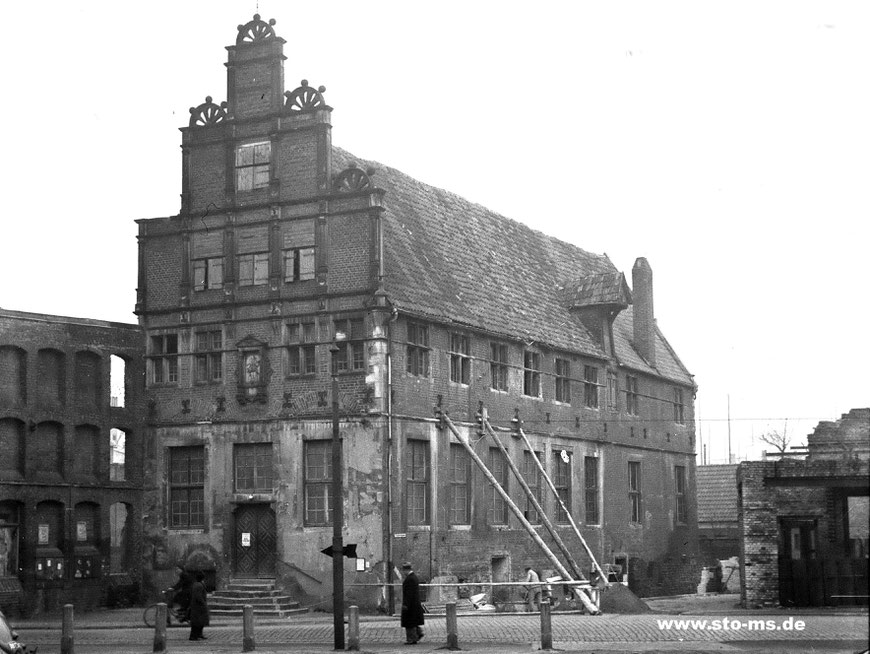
293 264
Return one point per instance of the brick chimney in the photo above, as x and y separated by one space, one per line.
644 317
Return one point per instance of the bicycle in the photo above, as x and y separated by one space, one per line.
176 615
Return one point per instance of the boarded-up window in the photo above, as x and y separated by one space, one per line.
252 166
12 446
88 379
51 377
47 450
13 375
86 451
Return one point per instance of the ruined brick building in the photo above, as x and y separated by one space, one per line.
71 437
284 244
803 524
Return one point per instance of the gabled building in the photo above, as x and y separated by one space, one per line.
71 438
292 262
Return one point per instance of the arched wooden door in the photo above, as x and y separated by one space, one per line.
255 541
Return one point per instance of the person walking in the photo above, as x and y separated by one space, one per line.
412 607
181 593
198 607
533 590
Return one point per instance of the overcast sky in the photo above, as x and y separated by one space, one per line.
726 142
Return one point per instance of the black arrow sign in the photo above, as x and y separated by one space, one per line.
349 551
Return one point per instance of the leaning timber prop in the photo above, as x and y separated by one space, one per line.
562 504
463 439
532 499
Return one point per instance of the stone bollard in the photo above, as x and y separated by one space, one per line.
353 628
546 626
452 630
67 640
160 628
248 644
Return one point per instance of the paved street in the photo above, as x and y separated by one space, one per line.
123 632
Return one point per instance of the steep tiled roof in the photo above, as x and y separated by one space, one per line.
603 288
455 261
717 494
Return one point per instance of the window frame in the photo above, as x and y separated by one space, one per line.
632 395
417 352
163 360
679 406
459 487
562 370
460 358
562 482
191 491
533 473
351 356
681 504
256 167
203 277
591 490
208 357
498 366
261 467
590 386
259 268
293 260
531 373
417 482
498 511
301 350
635 494
317 488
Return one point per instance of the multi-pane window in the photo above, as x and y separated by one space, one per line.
252 166
208 273
253 269
562 482
208 360
318 483
532 475
417 482
497 511
681 507
498 366
631 395
612 391
634 493
187 486
563 380
418 349
590 386
459 499
351 350
679 407
591 489
531 373
460 360
253 467
164 359
300 351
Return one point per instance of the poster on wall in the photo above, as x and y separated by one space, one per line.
81 531
246 539
43 534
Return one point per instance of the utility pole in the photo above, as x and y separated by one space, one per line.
730 460
337 509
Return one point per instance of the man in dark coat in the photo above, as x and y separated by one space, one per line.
412 607
198 607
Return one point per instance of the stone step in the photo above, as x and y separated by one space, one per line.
269 613
235 592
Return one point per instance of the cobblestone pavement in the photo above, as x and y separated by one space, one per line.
122 632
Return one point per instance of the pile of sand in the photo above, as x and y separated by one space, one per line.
617 598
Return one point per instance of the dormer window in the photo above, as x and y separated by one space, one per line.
252 166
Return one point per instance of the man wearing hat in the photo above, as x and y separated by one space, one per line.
412 608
